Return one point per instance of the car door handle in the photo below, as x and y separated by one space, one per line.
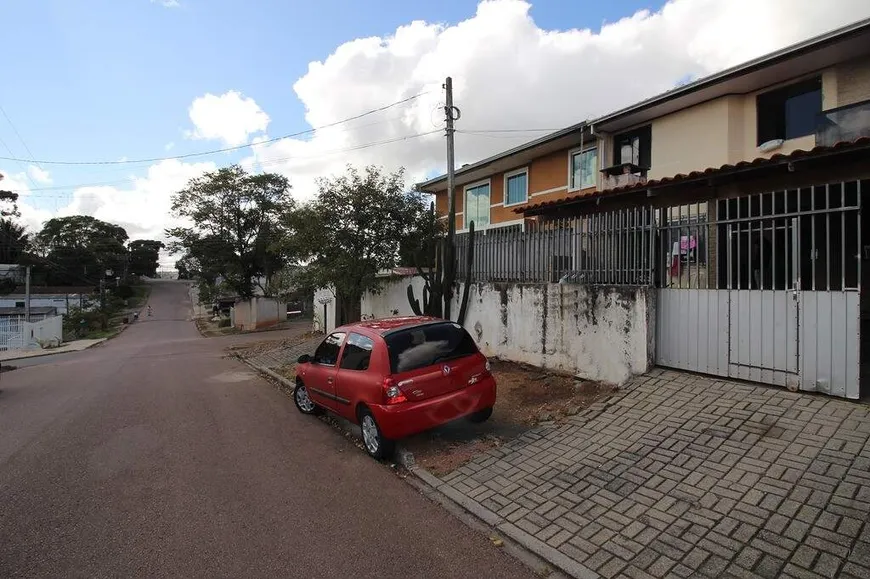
330 380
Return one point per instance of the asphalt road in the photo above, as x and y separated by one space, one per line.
154 456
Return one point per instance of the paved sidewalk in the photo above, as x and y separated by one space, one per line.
685 475
74 346
283 356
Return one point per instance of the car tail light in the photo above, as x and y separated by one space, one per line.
392 393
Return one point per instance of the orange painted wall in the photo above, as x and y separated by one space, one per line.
545 173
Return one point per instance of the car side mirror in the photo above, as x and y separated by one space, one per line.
303 359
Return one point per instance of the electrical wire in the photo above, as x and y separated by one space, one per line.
223 150
264 163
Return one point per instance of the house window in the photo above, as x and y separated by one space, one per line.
633 147
789 112
516 187
19 304
477 205
584 166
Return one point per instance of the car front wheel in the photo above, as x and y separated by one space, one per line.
480 415
303 400
376 445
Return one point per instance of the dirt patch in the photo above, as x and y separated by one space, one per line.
526 397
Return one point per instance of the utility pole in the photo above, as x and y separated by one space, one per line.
27 294
451 114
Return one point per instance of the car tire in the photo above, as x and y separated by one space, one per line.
303 401
480 415
374 442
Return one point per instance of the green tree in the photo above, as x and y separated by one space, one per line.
358 225
145 257
238 218
8 202
79 249
14 241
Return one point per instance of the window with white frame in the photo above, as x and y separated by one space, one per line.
584 166
477 205
516 187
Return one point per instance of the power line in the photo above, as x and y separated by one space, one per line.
223 150
265 163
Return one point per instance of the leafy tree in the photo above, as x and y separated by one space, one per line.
145 257
356 226
237 219
8 202
80 248
14 241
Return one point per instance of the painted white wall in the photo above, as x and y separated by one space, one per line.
392 299
44 330
597 333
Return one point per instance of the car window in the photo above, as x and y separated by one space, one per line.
357 352
327 352
426 345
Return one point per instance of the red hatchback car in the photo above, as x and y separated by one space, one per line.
396 377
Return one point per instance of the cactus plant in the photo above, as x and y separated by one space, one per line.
439 281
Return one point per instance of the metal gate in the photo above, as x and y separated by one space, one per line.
764 287
12 330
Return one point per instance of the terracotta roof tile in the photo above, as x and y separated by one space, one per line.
710 171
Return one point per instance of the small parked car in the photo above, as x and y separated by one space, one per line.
396 377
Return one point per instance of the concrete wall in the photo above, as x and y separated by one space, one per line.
852 82
259 312
47 330
598 333
392 299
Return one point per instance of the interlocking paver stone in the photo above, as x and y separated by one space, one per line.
683 475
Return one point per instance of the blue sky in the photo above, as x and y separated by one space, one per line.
88 80
105 79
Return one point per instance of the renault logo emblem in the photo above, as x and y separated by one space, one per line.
446 369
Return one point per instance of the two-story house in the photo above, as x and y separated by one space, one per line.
738 197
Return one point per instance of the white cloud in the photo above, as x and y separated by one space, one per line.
508 74
169 146
39 175
230 117
511 74
143 208
167 3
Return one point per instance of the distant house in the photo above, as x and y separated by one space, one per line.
37 314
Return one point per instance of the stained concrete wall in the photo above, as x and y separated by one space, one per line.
259 313
603 333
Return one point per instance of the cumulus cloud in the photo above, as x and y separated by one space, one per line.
231 118
39 175
509 73
143 207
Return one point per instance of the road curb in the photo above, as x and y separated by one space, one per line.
53 352
533 551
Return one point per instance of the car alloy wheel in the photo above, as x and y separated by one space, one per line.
303 401
376 445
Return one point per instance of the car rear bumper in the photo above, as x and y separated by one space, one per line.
401 420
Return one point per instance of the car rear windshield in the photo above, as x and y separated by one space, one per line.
427 345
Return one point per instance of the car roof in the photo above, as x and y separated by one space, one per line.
386 326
